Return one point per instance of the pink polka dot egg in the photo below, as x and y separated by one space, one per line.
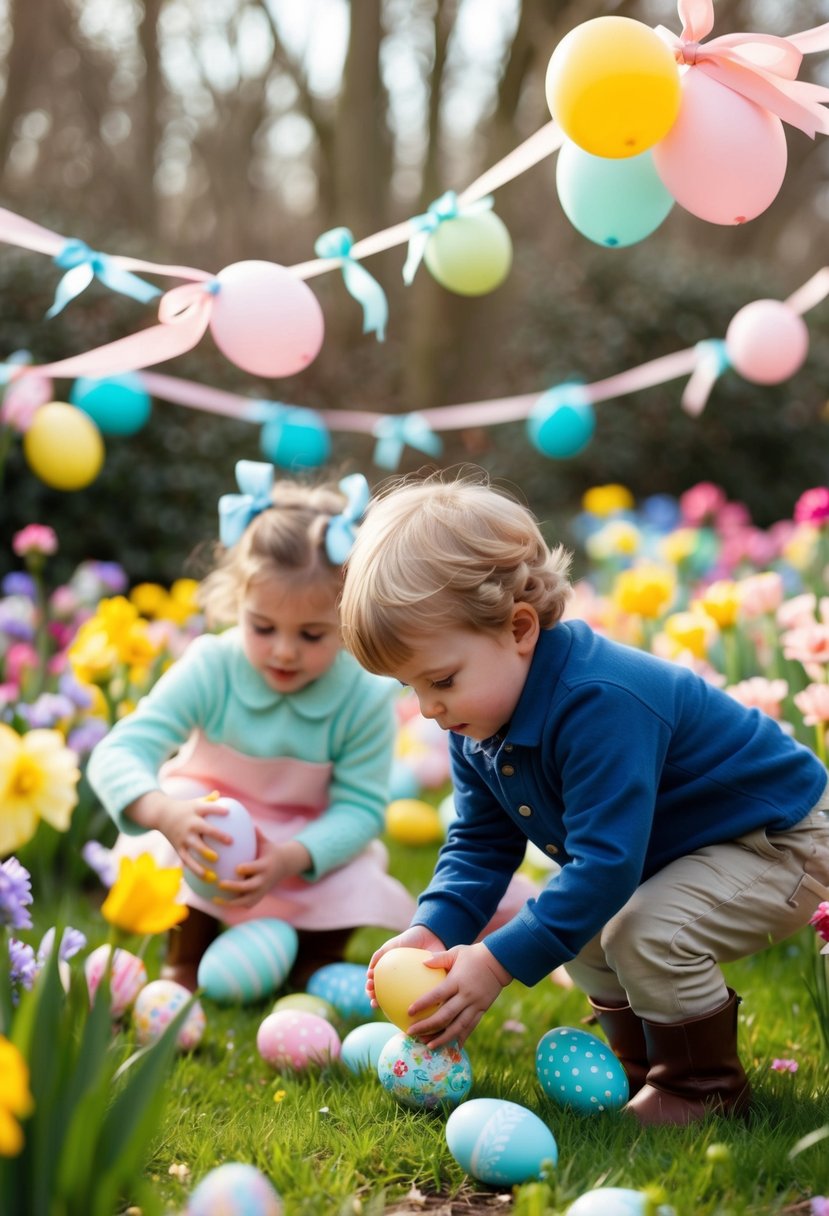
155 1007
127 977
295 1039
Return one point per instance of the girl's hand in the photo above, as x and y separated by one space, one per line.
474 981
184 824
273 864
417 937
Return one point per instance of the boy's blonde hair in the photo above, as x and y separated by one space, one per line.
435 555
286 539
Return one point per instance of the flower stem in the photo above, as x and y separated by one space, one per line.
820 742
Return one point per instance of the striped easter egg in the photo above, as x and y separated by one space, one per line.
248 961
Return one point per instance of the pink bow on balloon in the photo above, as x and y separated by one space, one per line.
761 67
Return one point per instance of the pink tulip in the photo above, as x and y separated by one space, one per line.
797 612
701 503
36 539
760 693
813 703
761 594
813 506
808 644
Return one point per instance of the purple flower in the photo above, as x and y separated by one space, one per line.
17 618
15 894
19 583
819 1206
78 693
784 1065
84 737
44 713
99 859
23 963
70 943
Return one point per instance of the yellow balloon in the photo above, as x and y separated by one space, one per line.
613 87
470 254
411 821
400 977
63 446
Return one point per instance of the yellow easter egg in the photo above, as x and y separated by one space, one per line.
411 821
400 977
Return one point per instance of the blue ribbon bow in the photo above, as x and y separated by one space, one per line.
359 283
255 480
394 432
341 531
443 208
83 264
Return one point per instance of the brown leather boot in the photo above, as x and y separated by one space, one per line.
694 1069
186 944
623 1031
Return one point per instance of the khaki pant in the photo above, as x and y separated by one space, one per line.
661 952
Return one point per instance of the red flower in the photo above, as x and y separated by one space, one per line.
820 920
400 1069
813 506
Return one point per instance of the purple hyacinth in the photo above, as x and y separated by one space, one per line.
99 858
70 943
86 735
15 894
23 963
44 713
19 583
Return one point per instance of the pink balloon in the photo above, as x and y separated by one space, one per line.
265 319
767 341
724 159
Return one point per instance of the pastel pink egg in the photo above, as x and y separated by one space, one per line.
294 1039
767 341
127 977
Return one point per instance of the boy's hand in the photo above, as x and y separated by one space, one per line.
417 937
475 979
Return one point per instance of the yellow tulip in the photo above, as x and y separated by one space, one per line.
678 545
691 631
607 500
116 617
183 602
38 780
16 1100
645 590
720 601
92 655
142 898
616 539
150 599
136 647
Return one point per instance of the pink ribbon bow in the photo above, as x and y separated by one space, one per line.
761 67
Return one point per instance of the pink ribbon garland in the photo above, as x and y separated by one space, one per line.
761 67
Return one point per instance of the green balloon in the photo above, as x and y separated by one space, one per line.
612 202
470 254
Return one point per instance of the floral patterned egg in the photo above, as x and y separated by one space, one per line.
155 1007
579 1071
423 1077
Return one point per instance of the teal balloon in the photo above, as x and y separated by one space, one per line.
118 405
612 202
295 439
562 421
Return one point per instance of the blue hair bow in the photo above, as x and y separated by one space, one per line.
340 533
255 480
358 282
394 432
83 264
443 208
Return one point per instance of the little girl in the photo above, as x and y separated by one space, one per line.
275 714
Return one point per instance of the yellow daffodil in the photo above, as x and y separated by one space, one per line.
645 590
93 655
678 545
16 1100
136 647
690 631
616 539
607 500
142 898
720 601
38 780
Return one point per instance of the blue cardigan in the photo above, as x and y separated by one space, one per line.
615 763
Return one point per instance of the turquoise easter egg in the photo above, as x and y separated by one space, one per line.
499 1142
422 1077
248 961
616 1201
579 1071
343 985
234 1189
362 1046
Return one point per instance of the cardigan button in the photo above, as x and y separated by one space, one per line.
525 810
507 747
507 770
552 849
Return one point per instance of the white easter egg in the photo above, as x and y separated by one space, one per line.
424 1077
127 977
499 1142
579 1071
248 961
291 1039
238 824
342 985
362 1046
615 1201
155 1007
234 1189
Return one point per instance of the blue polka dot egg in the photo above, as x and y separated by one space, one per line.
579 1071
422 1077
343 985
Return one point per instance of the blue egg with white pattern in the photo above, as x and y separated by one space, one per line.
617 1201
500 1143
579 1071
343 985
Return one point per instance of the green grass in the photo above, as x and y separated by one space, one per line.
338 1144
